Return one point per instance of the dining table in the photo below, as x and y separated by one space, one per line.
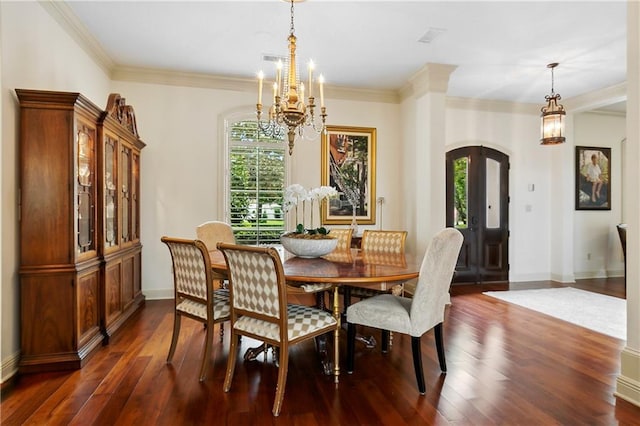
340 268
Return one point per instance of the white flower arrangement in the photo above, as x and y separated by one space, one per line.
296 194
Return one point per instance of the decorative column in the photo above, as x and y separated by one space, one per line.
628 382
429 86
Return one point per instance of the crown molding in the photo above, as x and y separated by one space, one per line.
597 99
65 17
489 105
209 81
178 78
430 78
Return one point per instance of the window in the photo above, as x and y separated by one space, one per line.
256 181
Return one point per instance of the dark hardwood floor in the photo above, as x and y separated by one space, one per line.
506 366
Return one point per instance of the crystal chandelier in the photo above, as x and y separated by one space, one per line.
289 113
552 126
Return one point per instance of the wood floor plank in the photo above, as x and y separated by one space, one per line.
506 364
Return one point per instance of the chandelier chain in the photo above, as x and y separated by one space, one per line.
292 28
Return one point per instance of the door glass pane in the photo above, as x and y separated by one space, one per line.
493 194
461 191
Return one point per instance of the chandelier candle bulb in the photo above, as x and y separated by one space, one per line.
279 73
311 67
321 81
275 92
302 91
260 78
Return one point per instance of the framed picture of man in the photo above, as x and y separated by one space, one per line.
593 178
349 166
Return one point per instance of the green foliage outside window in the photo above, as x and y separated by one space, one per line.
257 181
461 172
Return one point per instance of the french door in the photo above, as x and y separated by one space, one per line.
478 206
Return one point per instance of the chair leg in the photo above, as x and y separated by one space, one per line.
385 341
174 338
417 363
440 347
206 351
346 301
351 346
282 380
231 361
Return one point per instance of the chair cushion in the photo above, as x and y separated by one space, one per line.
385 311
221 308
302 320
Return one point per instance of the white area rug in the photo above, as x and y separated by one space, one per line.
604 314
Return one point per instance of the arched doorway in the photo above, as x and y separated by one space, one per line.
477 204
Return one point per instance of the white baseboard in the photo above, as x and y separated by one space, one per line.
582 275
9 367
158 294
516 278
628 382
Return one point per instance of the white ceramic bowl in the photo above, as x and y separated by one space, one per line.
309 247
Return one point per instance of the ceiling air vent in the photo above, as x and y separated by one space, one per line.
431 34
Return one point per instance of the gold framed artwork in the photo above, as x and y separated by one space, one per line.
593 178
349 166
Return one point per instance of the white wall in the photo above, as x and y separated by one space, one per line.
515 134
597 249
36 54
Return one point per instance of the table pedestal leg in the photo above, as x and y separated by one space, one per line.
336 339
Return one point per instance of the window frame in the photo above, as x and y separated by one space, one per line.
229 120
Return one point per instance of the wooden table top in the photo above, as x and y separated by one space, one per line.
341 267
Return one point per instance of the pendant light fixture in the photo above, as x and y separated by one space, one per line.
289 113
552 117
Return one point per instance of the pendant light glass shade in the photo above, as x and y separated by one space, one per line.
552 117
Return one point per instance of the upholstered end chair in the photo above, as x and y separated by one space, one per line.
414 316
259 310
194 295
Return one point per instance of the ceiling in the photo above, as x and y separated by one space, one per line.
501 49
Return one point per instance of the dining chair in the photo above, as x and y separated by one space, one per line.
259 310
211 233
419 314
344 238
377 242
194 295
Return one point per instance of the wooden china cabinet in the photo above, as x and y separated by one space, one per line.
80 250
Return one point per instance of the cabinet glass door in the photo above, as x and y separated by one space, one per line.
135 204
86 188
110 193
125 177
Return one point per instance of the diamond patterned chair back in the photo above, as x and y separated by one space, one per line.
344 238
259 310
383 241
194 296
